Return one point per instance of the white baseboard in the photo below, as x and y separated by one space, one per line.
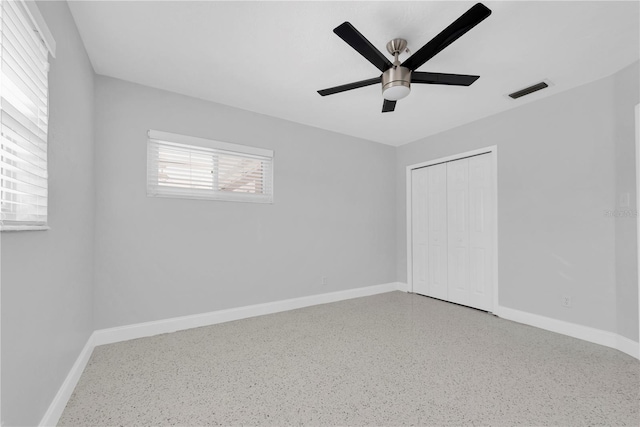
628 346
147 329
586 333
56 408
404 287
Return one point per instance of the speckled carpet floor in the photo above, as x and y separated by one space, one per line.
389 359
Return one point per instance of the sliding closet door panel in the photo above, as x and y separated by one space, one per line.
458 231
480 243
419 226
437 231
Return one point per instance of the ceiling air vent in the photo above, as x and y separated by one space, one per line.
528 90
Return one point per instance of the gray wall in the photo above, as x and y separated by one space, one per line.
47 275
157 258
557 176
626 95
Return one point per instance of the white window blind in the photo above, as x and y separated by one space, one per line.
24 119
189 167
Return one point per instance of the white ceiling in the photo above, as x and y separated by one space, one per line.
272 57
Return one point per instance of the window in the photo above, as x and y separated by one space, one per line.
196 168
24 92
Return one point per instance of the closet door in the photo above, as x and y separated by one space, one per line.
452 211
419 219
437 231
480 237
429 215
458 231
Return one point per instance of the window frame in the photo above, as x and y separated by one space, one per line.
215 147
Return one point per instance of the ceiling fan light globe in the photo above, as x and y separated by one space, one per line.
396 83
394 93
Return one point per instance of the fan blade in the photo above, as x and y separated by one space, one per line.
349 34
388 106
460 26
349 86
442 78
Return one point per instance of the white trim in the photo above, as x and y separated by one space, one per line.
454 157
628 346
56 408
24 227
41 26
493 149
494 170
218 196
586 333
147 329
209 143
402 287
409 196
637 111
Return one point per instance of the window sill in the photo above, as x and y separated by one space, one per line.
243 198
24 227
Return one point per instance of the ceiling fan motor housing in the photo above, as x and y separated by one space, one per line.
396 76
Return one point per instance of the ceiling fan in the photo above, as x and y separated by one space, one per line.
397 77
